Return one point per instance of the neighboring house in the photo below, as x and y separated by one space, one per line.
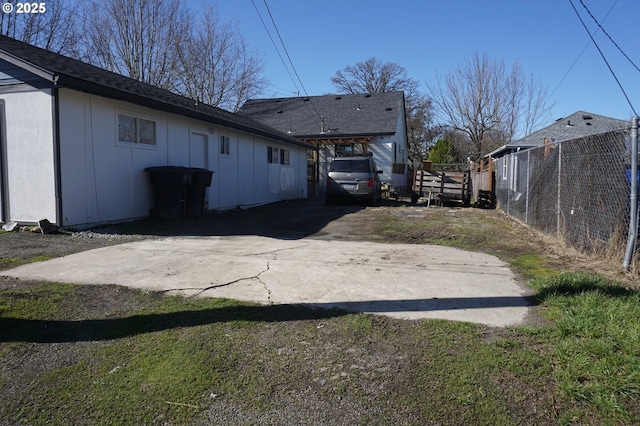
341 125
75 140
577 125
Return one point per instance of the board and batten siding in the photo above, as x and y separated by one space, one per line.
28 166
103 180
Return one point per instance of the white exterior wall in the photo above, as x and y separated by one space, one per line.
29 165
104 181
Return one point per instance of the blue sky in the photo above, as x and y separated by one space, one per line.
427 37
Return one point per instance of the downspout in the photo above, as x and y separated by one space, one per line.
3 166
57 153
633 197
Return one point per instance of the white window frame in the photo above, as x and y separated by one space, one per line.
225 145
505 168
136 139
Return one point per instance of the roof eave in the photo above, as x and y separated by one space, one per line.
28 66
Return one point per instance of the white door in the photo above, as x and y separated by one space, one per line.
198 150
199 156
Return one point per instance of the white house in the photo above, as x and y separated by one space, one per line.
75 141
341 125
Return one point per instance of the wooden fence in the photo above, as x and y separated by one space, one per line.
483 184
442 187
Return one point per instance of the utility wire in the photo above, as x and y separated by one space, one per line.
579 55
607 34
275 46
290 61
603 57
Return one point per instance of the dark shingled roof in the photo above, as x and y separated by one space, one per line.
66 72
577 125
356 115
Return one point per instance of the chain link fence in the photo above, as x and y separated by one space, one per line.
577 190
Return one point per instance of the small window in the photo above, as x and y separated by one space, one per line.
273 156
133 129
284 156
504 168
225 143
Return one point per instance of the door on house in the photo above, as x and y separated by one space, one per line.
199 157
198 150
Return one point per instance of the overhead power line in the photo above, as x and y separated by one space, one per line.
284 47
579 55
607 34
275 45
603 58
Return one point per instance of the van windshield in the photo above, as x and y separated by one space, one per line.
350 166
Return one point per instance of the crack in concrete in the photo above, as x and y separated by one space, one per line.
213 287
279 250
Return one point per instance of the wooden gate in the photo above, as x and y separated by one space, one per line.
442 187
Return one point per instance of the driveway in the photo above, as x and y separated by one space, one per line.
400 280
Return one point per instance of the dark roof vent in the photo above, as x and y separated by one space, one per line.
368 95
306 99
338 98
280 112
587 117
388 109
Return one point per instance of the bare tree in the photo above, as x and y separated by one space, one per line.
137 38
217 67
489 103
421 128
53 27
375 76
162 42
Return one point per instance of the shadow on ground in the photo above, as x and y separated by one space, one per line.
285 220
58 331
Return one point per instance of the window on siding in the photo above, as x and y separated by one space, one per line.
273 155
132 129
225 145
505 168
284 156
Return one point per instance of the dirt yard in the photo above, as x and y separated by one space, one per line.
394 221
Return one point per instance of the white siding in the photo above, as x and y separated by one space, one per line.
104 181
30 157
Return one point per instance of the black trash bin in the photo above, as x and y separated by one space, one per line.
170 186
197 190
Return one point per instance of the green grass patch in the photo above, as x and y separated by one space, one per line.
12 262
532 265
173 359
596 343
44 301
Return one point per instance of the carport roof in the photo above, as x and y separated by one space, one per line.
63 71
